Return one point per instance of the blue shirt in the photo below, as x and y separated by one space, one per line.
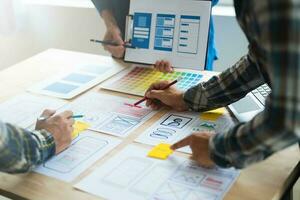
120 9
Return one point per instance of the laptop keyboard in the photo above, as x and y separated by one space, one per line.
261 93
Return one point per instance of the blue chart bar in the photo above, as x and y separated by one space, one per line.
189 34
164 33
141 30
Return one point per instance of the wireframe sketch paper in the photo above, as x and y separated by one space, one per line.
85 150
23 110
173 30
132 175
109 114
73 82
174 126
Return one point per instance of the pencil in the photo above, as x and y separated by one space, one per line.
164 88
112 43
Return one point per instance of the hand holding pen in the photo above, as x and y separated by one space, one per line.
112 43
163 94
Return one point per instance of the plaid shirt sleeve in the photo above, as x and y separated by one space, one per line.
278 126
226 88
22 150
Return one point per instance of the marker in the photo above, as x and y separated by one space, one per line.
164 88
77 116
112 43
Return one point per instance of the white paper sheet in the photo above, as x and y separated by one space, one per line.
23 110
174 126
76 80
85 150
109 114
173 30
132 175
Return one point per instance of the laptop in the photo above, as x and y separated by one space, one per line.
254 102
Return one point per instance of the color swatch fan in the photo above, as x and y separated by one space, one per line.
136 80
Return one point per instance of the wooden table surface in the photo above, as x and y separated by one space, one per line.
267 180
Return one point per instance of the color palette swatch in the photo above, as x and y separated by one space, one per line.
138 79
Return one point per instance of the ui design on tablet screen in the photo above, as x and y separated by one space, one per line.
173 30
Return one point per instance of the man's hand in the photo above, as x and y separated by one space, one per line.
163 66
157 97
113 34
199 143
60 126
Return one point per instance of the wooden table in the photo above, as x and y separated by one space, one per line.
267 180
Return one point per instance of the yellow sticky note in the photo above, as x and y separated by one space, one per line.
213 115
78 128
161 151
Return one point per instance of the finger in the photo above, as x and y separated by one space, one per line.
182 143
48 113
148 102
155 94
168 67
205 164
118 39
67 114
156 65
156 106
71 121
162 85
162 66
192 157
153 86
116 51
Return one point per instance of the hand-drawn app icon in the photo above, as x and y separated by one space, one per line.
176 121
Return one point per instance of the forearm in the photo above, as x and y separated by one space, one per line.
105 9
22 150
109 19
228 87
102 5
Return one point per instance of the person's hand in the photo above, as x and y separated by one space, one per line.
113 34
60 126
157 97
163 66
199 143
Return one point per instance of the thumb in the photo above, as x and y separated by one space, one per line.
118 39
155 94
48 113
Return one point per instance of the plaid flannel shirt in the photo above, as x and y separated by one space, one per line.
273 32
22 150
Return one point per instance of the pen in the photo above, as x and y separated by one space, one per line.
77 116
42 118
166 87
112 43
